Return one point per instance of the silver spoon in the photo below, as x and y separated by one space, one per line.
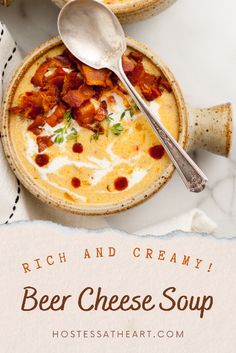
94 35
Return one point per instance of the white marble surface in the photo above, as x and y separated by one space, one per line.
197 39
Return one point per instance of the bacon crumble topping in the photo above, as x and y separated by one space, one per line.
62 83
44 142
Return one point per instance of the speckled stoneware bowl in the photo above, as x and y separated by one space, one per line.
209 129
132 10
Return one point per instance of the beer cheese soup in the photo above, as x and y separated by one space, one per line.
79 135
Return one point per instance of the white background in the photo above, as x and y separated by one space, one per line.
197 40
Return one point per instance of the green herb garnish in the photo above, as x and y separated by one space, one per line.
58 131
68 116
73 136
61 132
95 136
98 130
59 139
117 129
109 118
123 114
132 110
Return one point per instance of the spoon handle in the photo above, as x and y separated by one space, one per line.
191 174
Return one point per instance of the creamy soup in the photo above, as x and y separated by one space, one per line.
79 135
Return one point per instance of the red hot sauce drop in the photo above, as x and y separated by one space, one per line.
77 148
156 151
41 159
75 182
121 183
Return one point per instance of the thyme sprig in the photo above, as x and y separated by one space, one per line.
117 129
109 118
131 110
62 133
98 130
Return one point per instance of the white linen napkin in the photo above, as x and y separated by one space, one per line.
192 221
12 202
17 204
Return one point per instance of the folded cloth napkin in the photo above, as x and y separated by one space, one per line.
192 221
12 202
17 204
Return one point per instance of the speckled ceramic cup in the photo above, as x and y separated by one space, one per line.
208 129
132 10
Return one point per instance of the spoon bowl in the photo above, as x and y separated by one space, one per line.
92 33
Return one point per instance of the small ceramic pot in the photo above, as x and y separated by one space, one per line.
208 129
132 10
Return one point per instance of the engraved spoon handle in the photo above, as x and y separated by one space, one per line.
192 176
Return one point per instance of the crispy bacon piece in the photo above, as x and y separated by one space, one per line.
57 116
73 60
65 61
43 142
149 84
37 124
38 79
84 115
102 112
96 77
166 84
128 65
71 82
30 105
149 87
50 97
35 103
114 79
137 74
57 78
98 92
75 98
136 56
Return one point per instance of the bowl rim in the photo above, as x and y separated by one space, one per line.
124 8
25 177
132 6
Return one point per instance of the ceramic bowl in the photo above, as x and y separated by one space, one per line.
208 129
132 10
5 2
